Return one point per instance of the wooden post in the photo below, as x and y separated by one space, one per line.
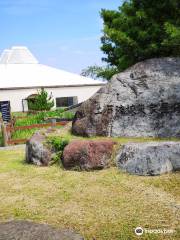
53 123
4 134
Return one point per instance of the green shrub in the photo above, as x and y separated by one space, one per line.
41 101
59 113
58 143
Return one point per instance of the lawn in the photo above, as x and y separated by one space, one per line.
100 205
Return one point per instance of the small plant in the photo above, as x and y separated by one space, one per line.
56 158
23 134
58 144
41 102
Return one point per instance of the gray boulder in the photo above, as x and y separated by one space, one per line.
37 152
151 158
25 230
143 101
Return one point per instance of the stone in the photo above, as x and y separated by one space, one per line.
25 230
37 152
87 154
150 158
143 101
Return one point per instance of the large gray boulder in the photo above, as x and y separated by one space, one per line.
142 101
25 230
152 158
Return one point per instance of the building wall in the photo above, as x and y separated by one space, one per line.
15 96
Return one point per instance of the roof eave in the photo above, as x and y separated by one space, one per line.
54 86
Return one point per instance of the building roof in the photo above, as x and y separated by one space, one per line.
20 69
17 55
4 56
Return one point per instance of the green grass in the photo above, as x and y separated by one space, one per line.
101 205
39 117
23 134
19 114
32 119
27 133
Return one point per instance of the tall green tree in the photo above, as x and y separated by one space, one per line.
139 30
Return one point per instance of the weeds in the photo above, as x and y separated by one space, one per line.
41 116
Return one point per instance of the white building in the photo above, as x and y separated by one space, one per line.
21 76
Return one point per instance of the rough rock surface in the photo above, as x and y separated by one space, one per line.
36 151
143 101
152 158
24 230
87 155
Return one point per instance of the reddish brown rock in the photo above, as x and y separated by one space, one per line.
88 154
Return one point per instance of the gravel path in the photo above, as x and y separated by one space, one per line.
21 146
26 230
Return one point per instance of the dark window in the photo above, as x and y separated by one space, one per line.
66 101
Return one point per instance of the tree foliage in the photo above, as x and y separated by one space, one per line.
41 102
97 72
139 30
92 72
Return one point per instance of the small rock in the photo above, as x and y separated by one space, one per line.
151 158
87 155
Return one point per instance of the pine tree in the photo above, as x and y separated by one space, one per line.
41 102
139 30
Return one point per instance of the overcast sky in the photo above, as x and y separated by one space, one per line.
60 33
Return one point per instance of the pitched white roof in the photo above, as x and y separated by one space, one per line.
4 56
17 55
20 69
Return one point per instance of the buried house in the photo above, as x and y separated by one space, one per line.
21 76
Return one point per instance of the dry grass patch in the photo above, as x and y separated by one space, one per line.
100 205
